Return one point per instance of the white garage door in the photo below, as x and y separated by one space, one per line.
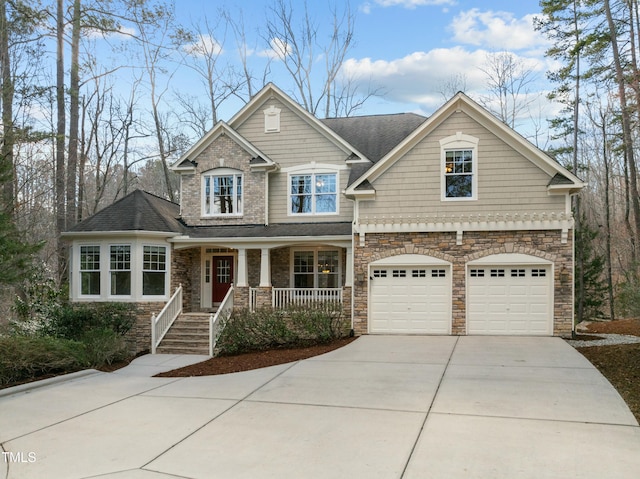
509 299
410 299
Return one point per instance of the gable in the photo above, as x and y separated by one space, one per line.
506 180
463 104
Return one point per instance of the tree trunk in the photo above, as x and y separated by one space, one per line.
6 150
74 114
626 133
60 143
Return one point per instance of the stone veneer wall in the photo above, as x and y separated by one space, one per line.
475 245
186 270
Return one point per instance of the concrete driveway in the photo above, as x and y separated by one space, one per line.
382 407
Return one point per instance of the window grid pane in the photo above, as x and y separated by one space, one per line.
459 174
223 195
314 193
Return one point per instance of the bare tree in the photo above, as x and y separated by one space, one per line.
508 82
298 47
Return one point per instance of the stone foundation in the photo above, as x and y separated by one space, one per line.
475 245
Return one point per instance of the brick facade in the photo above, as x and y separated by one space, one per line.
475 245
223 153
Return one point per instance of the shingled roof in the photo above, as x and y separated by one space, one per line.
138 211
375 135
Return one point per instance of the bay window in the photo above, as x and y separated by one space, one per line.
154 270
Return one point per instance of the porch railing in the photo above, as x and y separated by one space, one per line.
217 320
161 323
283 297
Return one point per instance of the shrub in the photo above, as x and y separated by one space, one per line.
267 328
23 357
103 346
73 321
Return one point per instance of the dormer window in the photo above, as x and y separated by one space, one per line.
272 120
222 193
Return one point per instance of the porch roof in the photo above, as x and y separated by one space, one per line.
278 230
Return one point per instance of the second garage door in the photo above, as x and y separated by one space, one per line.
509 299
410 299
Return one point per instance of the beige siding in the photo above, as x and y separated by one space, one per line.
297 143
507 182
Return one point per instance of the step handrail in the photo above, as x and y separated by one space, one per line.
161 323
218 320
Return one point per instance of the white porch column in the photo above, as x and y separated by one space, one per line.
241 276
265 268
348 271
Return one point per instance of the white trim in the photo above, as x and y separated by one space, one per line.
461 223
510 259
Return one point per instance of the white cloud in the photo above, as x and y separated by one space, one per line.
123 33
496 31
278 51
206 45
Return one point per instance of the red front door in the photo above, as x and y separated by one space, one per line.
222 277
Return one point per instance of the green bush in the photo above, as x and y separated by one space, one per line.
629 299
74 321
26 357
267 328
103 346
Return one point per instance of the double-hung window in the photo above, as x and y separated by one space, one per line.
222 193
459 167
120 270
90 270
154 270
316 269
313 193
459 173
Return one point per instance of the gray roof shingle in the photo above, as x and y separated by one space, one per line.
138 211
375 135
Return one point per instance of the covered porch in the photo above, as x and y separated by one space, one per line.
270 270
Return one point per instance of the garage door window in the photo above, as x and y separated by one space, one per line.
497 273
438 273
518 273
477 273
538 273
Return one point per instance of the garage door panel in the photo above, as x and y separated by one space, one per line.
410 300
518 302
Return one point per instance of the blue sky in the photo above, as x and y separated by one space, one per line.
411 48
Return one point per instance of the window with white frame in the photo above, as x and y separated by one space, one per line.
313 193
90 270
120 270
222 193
154 270
316 268
459 167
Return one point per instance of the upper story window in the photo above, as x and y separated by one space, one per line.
313 193
459 167
222 193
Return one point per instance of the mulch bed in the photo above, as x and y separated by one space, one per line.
255 360
620 363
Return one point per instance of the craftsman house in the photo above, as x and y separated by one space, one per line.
452 224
